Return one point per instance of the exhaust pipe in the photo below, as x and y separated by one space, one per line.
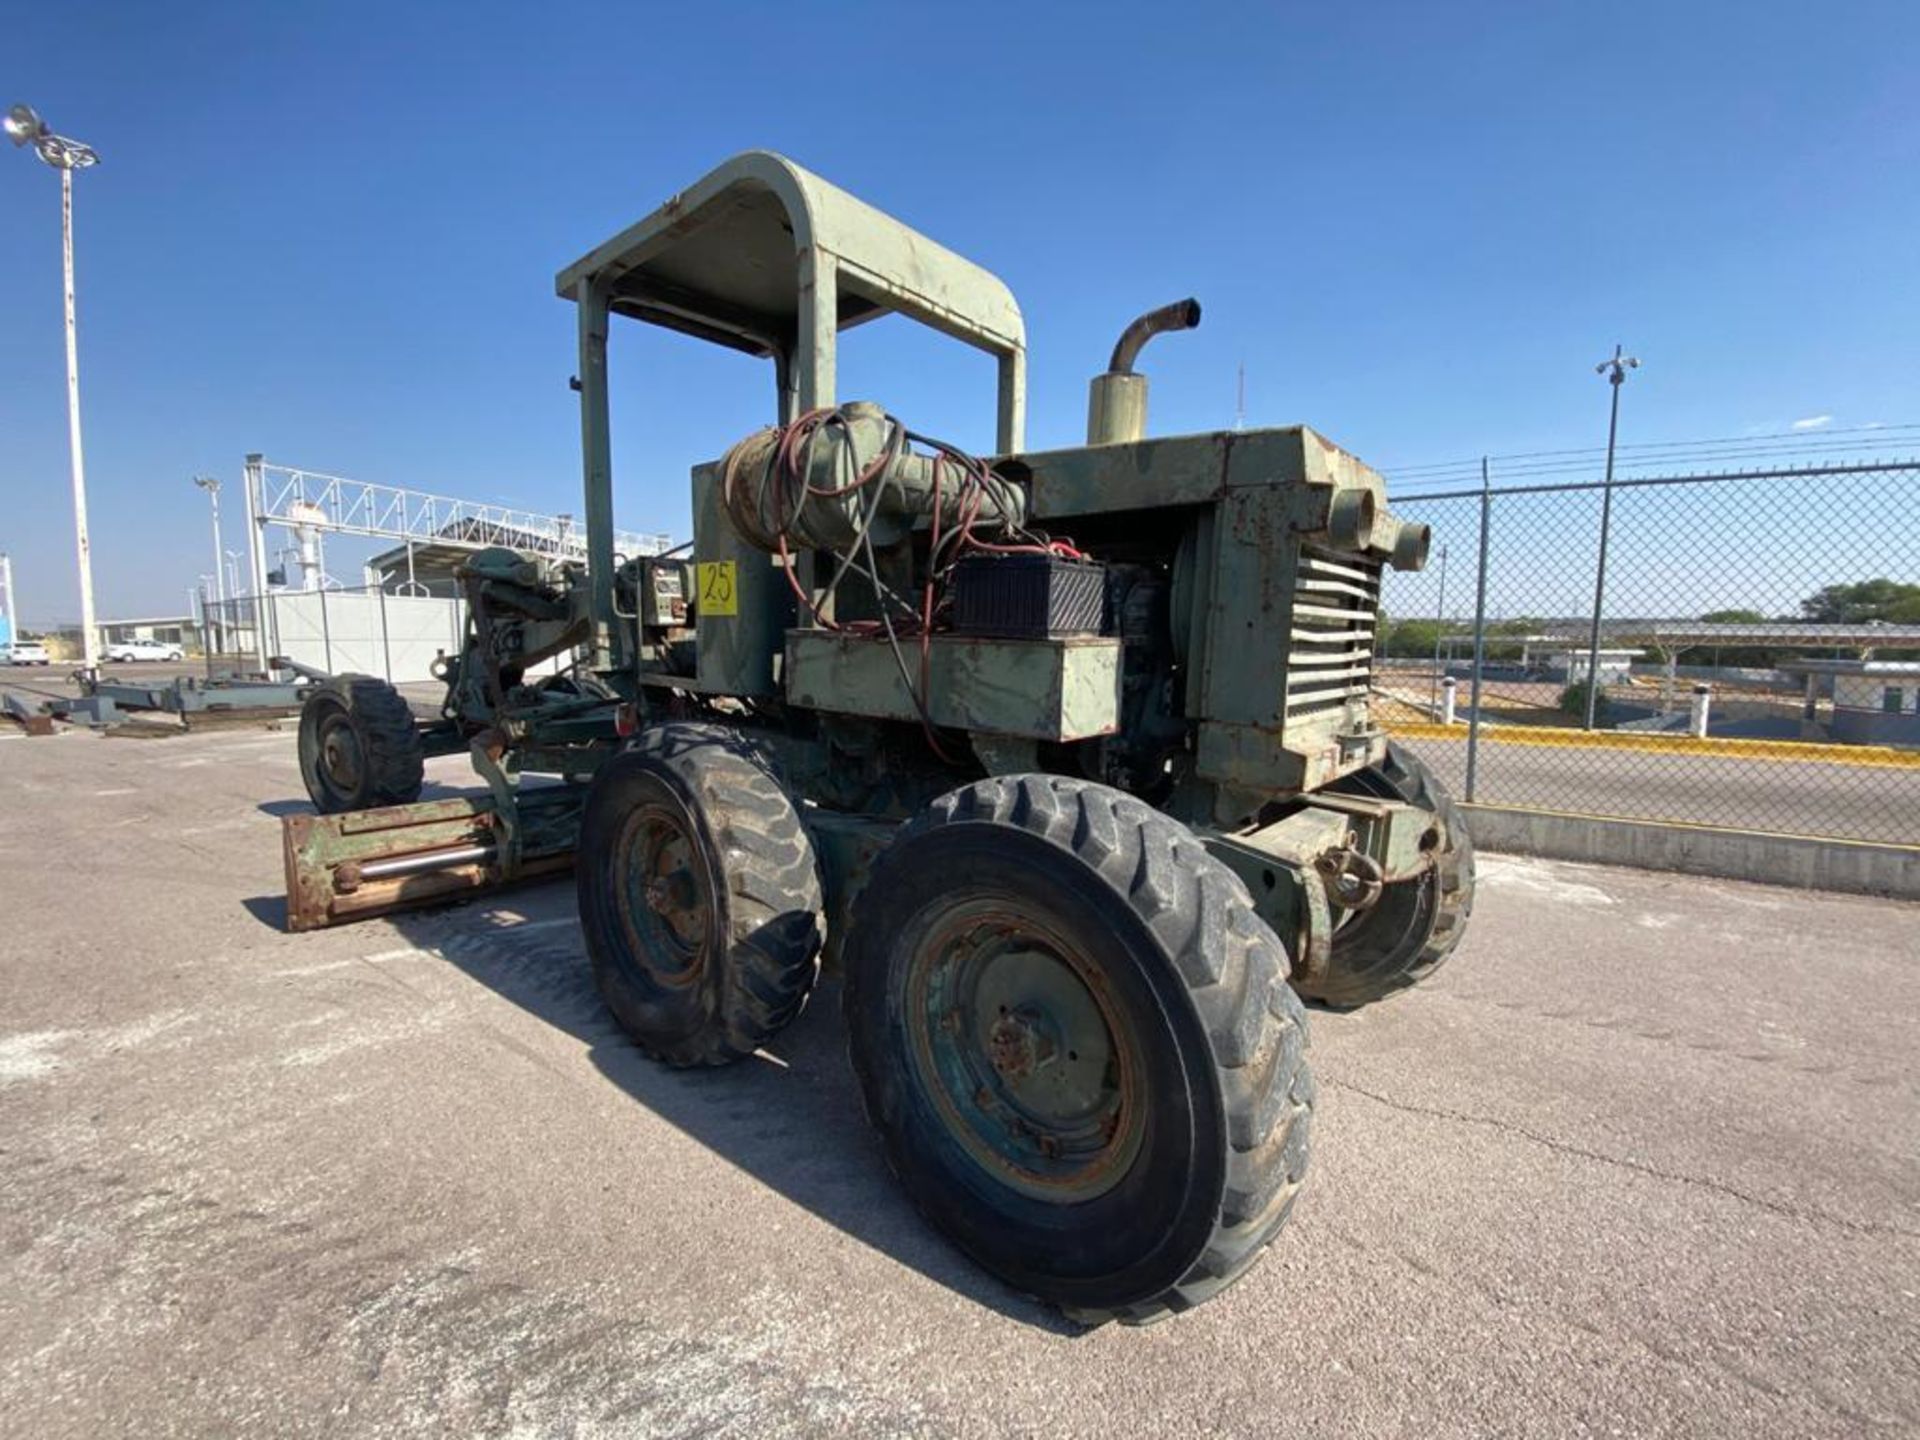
1117 400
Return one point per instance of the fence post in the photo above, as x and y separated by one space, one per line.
1702 704
326 632
386 649
1479 630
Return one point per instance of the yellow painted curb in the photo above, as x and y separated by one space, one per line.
1881 757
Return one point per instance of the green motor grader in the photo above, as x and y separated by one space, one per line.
1065 757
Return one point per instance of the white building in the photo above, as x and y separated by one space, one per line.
1875 702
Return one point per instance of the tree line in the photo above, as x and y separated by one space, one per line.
1863 602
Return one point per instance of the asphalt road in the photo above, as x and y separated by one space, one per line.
1794 797
1644 1159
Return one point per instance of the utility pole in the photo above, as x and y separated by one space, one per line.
1616 372
211 485
23 126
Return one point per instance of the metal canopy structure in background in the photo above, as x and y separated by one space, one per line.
289 496
310 503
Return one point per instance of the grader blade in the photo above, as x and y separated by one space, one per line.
372 862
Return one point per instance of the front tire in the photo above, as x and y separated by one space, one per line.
699 895
359 746
1076 1041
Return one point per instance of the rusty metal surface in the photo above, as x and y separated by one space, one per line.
28 717
1277 864
1062 689
1031 1063
372 862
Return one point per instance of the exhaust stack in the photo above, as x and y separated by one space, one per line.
1117 400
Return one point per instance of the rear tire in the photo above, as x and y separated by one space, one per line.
359 746
1074 1037
699 895
1414 926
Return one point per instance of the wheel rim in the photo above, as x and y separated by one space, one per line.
341 762
663 894
1030 1063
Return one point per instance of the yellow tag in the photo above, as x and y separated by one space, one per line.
718 593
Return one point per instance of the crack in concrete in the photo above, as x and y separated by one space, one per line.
1845 1072
1700 1182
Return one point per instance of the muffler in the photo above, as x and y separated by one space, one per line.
1117 400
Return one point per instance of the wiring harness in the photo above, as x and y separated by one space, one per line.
845 480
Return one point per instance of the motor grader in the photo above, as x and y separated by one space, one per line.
1064 757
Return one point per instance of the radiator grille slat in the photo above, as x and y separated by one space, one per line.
1332 634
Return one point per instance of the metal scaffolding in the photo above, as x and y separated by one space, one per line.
309 503
291 497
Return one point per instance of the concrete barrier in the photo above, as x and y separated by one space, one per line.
1878 757
1807 863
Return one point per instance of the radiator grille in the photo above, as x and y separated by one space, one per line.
1335 609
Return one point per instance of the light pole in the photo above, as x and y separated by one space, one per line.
1439 625
24 127
1616 372
211 485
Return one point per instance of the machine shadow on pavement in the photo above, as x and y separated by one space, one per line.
790 1116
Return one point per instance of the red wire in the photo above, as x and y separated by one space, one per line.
790 474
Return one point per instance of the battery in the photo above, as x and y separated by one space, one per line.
1028 596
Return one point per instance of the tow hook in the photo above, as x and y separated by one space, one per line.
1354 880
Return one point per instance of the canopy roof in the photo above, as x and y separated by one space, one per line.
721 260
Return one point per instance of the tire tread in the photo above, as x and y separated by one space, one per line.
1234 969
774 899
395 758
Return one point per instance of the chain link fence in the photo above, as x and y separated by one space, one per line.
1752 658
1755 663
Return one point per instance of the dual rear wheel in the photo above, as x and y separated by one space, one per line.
1072 1033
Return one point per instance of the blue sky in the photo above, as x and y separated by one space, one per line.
329 232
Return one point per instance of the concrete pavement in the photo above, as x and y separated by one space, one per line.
1644 1159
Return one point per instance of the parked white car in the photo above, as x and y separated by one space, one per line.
144 650
24 652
